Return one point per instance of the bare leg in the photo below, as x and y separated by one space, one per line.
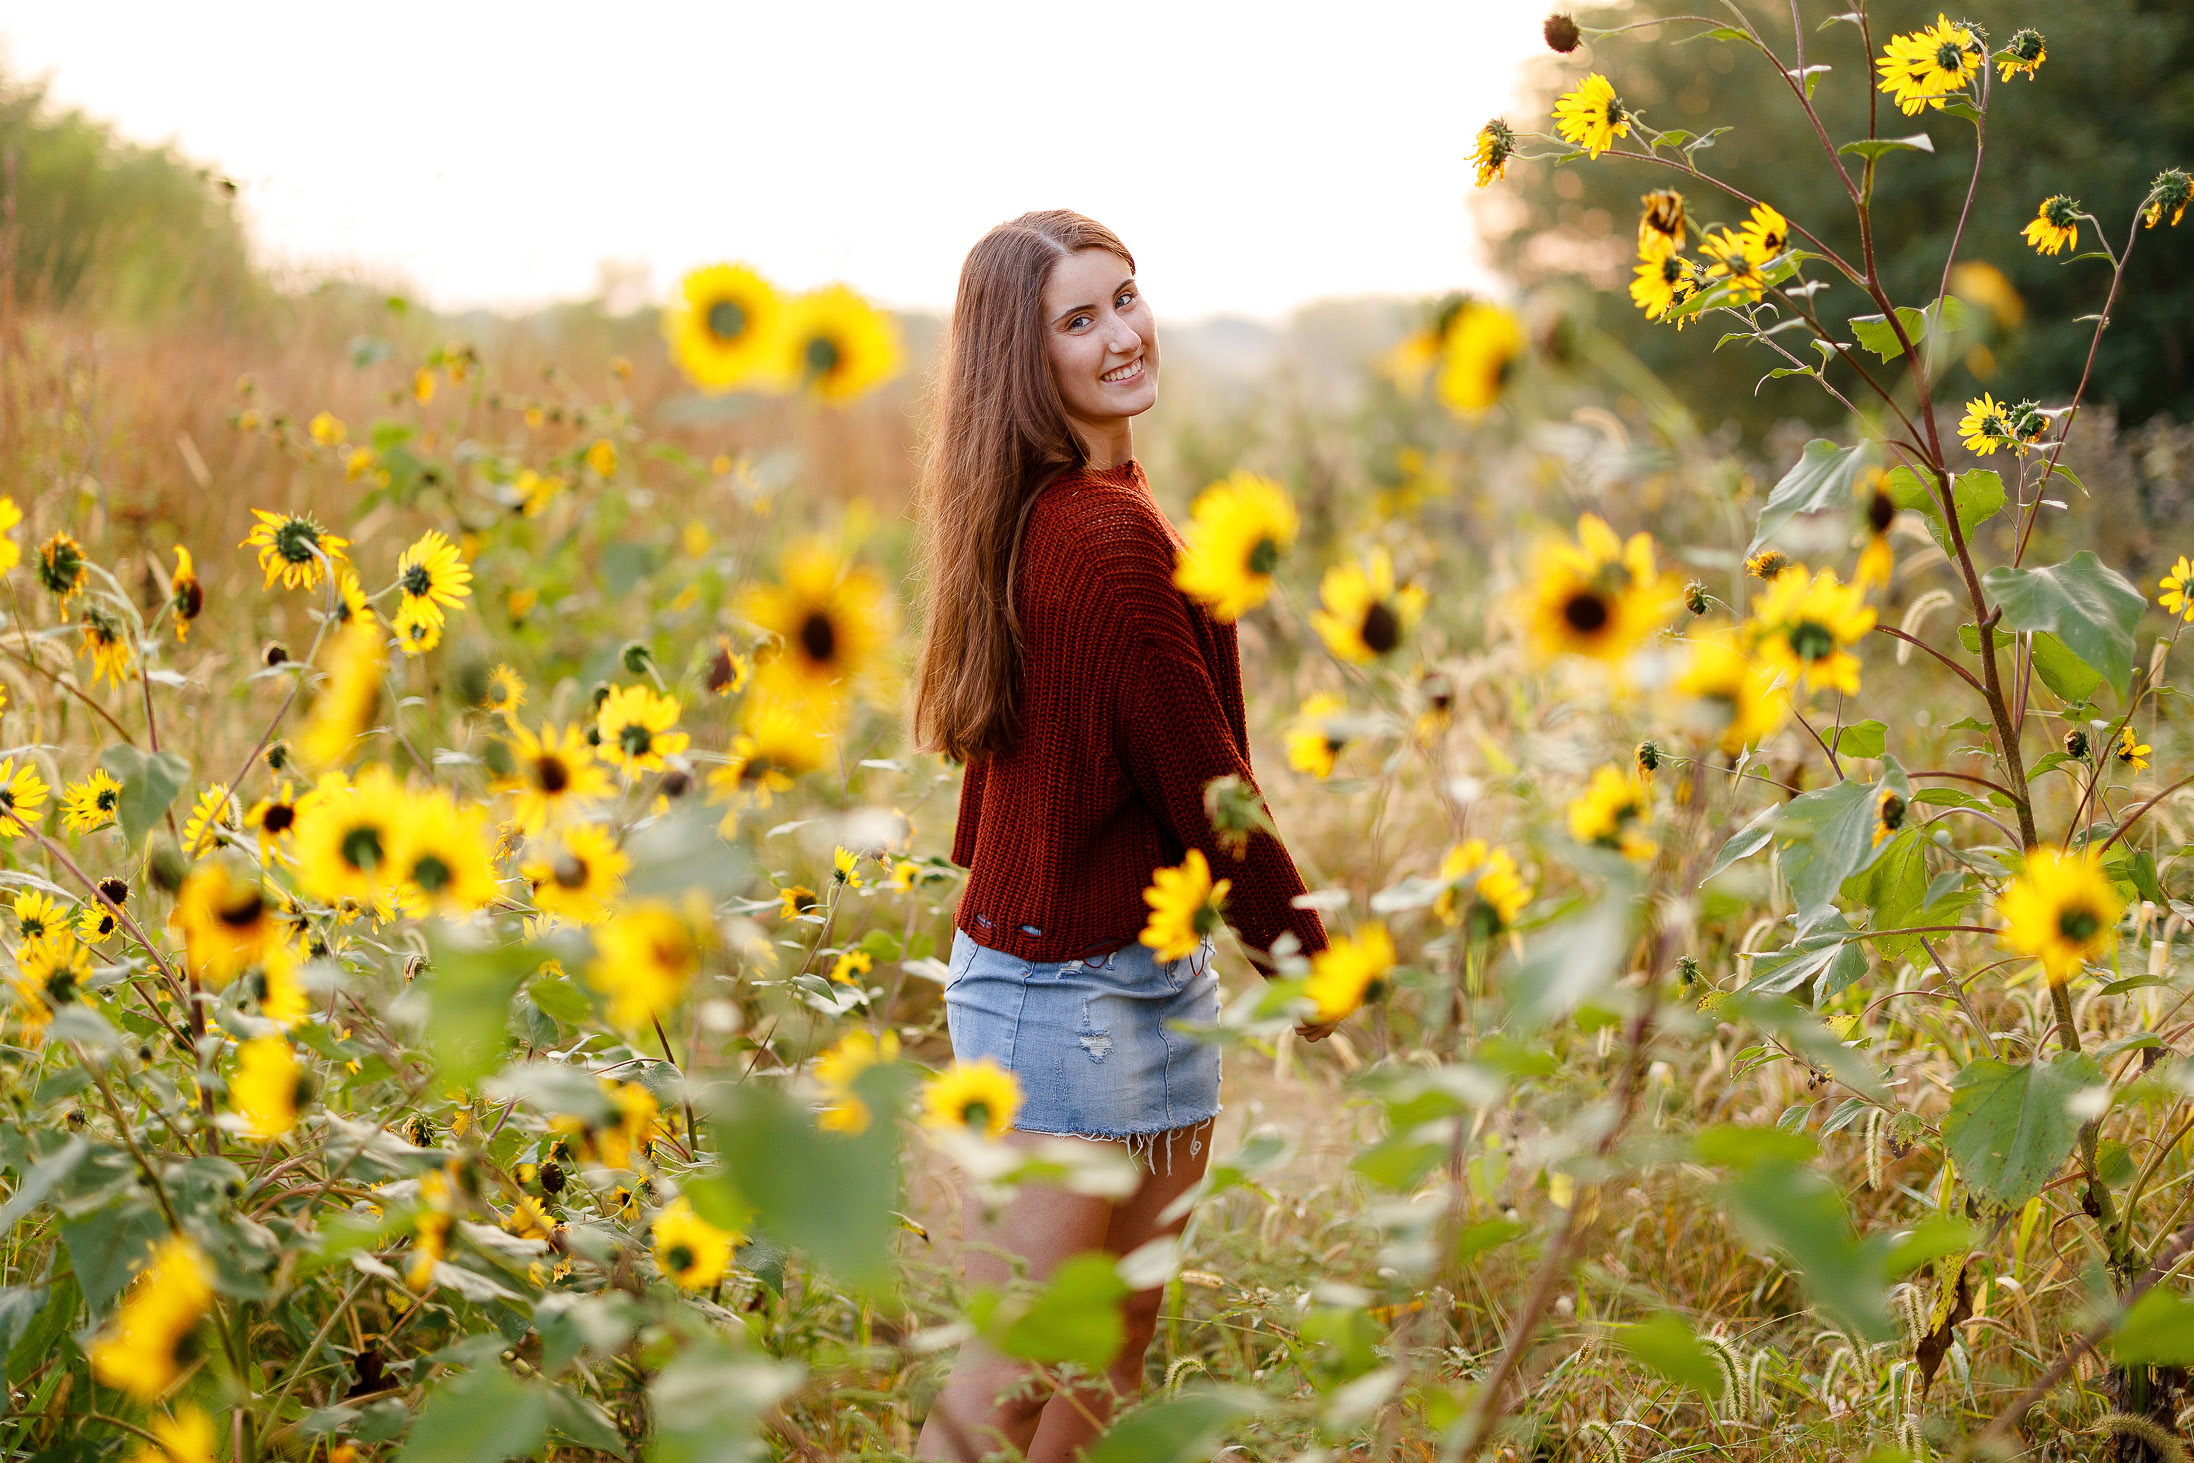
1066 1428
992 1401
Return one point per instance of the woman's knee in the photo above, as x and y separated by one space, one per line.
1139 1314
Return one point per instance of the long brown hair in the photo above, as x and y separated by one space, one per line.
1000 434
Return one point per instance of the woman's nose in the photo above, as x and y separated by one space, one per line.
1123 341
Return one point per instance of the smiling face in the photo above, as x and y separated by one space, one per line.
1102 347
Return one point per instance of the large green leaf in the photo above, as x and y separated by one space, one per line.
149 785
1821 479
707 1405
1826 836
109 1246
1664 1343
1183 1429
1792 1208
2091 607
1075 1317
1569 963
484 1416
2158 1331
1745 842
2011 1127
469 983
1979 495
1828 953
1945 316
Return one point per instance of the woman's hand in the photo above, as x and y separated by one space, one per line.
1317 1030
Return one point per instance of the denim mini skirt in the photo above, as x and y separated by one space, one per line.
1088 1039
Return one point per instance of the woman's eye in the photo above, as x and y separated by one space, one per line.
1078 322
1127 298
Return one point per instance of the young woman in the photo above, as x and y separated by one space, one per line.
1091 702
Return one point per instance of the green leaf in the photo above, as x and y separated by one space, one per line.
1181 1429
1076 1317
1860 739
707 1405
1666 1345
1822 478
1734 1145
1874 332
1745 842
2091 607
469 982
109 1246
576 1419
1873 148
149 786
483 1416
2071 678
44 1176
2158 1331
1828 951
1568 963
2010 1128
1979 495
1825 837
1796 1210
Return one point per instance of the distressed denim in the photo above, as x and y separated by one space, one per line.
1089 1041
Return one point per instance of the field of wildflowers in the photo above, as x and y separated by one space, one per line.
471 981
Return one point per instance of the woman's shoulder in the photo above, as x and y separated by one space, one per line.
1106 515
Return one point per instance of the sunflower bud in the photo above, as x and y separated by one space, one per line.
1649 757
165 868
2168 195
1561 33
636 657
275 654
1767 563
2076 744
278 756
1695 597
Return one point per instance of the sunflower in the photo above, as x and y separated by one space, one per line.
1989 424
1349 972
795 900
1496 147
89 805
836 1071
1890 809
1921 68
275 988
269 1087
689 1250
62 567
626 1137
140 1351
433 577
274 819
293 549
554 773
186 596
1766 233
227 920
1478 352
351 605
2177 596
2025 53
1239 529
724 328
348 698
1737 260
845 865
2063 910
727 670
1314 744
344 833
2055 225
577 873
2169 194
213 822
418 627
22 795
1592 116
645 958
831 619
850 965
51 969
978 1097
1364 615
1727 698
1614 812
2131 749
635 729
1880 511
1660 223
535 491
94 920
439 854
529 1219
11 553
1766 564
780 744
1664 281
1184 905
186 1437
109 648
836 345
1803 628
506 692
1489 875
1599 597
38 913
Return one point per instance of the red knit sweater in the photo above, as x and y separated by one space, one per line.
1131 700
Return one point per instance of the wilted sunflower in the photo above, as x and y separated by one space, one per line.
724 328
1239 529
89 805
108 646
439 854
2062 910
186 596
1349 972
831 620
1496 146
2025 53
838 1068
836 344
635 729
1660 222
344 833
2169 194
1599 597
433 577
577 873
62 567
1921 68
1184 905
1803 628
22 793
1615 812
645 958
1726 698
976 1097
1478 353
690 1251
2055 225
1364 616
141 1350
1592 116
1314 742
293 549
554 772
269 1087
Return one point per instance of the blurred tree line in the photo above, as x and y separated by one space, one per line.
93 224
2112 106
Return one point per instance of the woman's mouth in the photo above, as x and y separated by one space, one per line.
1119 374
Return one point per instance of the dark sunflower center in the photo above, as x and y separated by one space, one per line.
822 355
976 1113
1810 640
1893 812
1265 557
1879 512
431 873
1672 270
242 909
727 321
1615 111
60 987
2078 923
1382 629
681 1257
417 581
551 775
106 799
1587 612
721 672
361 847
1950 56
571 871
296 540
279 818
635 739
819 637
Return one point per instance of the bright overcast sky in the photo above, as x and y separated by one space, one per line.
1254 155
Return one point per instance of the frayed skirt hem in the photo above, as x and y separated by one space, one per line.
1142 1146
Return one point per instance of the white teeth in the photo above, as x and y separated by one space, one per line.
1121 373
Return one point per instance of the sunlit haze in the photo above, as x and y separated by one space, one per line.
1256 156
